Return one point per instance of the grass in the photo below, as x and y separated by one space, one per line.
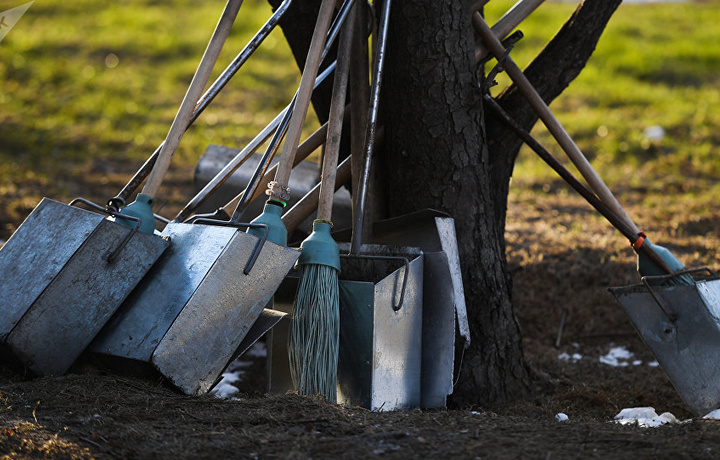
88 90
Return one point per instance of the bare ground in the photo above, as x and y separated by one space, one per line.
562 257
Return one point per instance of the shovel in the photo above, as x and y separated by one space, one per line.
680 324
63 274
86 272
189 316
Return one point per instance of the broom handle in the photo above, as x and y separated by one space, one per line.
359 217
508 22
197 85
552 123
303 98
239 159
579 187
359 92
311 144
335 123
308 203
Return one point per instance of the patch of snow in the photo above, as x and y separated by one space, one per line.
637 362
225 388
561 417
617 357
644 417
654 133
714 415
653 364
258 350
575 357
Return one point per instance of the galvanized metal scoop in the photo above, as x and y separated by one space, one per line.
681 326
63 273
189 315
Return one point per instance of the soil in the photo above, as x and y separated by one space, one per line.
562 258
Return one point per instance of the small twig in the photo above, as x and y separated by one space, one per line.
90 441
562 327
307 420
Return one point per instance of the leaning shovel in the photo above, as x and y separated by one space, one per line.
189 316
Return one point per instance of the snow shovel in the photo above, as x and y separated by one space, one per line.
188 316
679 324
63 273
191 335
444 309
74 276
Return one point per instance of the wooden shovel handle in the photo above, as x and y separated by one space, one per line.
335 122
575 183
508 22
195 90
552 123
311 144
308 203
304 92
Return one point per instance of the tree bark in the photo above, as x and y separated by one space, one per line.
442 152
436 156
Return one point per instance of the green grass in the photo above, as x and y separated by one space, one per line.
87 83
90 88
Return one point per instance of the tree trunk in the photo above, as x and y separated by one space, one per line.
436 156
441 152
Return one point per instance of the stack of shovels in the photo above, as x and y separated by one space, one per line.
118 286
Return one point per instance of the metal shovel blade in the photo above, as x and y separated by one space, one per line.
681 326
59 289
190 314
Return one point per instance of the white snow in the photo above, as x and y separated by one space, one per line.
234 373
714 415
225 388
654 133
617 357
575 357
258 350
644 417
561 417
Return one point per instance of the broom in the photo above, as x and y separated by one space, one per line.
315 332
